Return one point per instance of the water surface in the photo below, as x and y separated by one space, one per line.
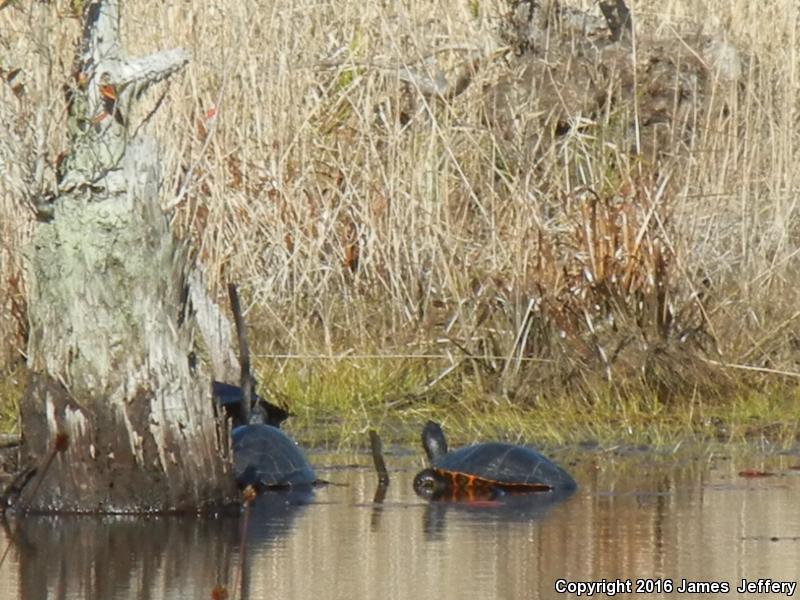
635 516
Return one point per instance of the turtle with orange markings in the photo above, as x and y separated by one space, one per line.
485 471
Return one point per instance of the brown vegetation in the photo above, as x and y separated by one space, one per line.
544 203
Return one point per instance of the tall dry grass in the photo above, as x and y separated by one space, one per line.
362 215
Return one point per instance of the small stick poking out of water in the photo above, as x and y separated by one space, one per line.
377 457
60 445
380 466
248 495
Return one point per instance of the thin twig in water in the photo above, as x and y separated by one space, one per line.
377 457
60 444
248 495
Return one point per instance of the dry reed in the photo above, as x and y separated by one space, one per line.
361 213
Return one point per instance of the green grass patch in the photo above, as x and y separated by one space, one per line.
335 403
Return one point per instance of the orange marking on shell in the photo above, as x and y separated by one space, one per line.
472 485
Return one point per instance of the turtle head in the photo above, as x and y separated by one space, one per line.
433 441
258 414
267 413
429 484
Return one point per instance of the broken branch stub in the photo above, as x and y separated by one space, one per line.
123 345
106 83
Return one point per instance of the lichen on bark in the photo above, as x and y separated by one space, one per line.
123 340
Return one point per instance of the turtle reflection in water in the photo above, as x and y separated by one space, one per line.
486 471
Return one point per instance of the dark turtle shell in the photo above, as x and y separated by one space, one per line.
486 470
504 465
266 457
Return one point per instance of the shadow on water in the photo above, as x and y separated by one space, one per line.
144 557
110 557
272 515
271 518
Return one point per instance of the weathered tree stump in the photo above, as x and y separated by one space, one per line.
123 340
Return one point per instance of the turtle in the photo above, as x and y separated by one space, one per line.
263 455
485 471
266 458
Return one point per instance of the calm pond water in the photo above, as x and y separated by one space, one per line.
635 516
